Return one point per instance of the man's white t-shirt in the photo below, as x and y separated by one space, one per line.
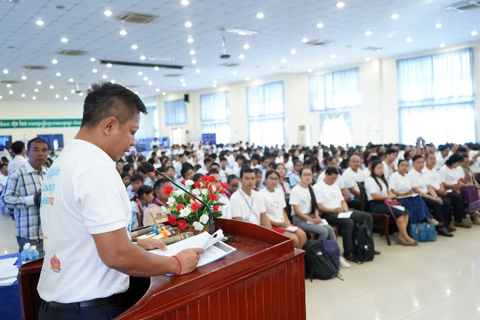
301 197
16 162
418 180
350 179
449 176
226 209
338 182
432 177
274 204
441 160
387 170
372 187
79 199
329 196
247 207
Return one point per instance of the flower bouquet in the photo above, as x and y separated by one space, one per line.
184 210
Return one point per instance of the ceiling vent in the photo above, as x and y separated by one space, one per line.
133 17
139 64
10 0
464 6
10 81
243 32
229 65
161 58
377 49
73 52
35 67
316 43
172 75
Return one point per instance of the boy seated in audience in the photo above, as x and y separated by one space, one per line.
156 213
136 181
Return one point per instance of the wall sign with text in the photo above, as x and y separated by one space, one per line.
39 123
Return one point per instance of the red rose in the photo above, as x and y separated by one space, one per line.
197 185
210 188
195 206
211 178
190 197
224 185
215 208
205 178
183 181
172 219
179 207
212 197
182 224
167 190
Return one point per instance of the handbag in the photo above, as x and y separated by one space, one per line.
422 232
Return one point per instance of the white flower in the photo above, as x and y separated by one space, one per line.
171 201
185 212
198 226
213 188
179 192
196 192
163 209
189 182
204 192
204 219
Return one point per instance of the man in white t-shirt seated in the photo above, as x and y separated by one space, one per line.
331 203
389 166
246 203
350 178
443 154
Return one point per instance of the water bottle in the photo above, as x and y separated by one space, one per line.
26 253
34 253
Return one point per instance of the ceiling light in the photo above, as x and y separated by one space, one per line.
246 46
70 80
51 87
214 81
241 57
284 60
340 5
320 25
182 80
8 85
474 33
198 71
57 96
81 94
184 84
188 24
58 74
112 81
108 13
368 33
123 32
150 83
40 22
304 40
194 61
0 97
192 52
260 15
134 47
5 70
92 59
23 95
136 92
234 72
140 73
309 70
64 40
36 90
157 90
409 39
320 64
164 93
156 68
438 25
214 85
442 45
65 98
39 82
293 51
109 65
104 76
10 92
142 57
94 70
395 16
190 40
34 98
145 78
54 61
72 91
333 56
184 2
24 77
367 59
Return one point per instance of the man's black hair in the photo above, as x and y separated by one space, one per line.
36 140
18 146
136 177
246 170
108 99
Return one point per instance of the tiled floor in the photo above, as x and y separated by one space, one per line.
434 281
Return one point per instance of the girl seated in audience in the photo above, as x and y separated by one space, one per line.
305 212
140 203
275 204
294 177
376 188
125 179
283 185
155 161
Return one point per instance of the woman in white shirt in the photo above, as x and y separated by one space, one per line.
376 188
275 204
140 203
283 185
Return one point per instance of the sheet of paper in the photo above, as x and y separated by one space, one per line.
343 215
409 196
402 208
12 271
8 262
7 281
290 229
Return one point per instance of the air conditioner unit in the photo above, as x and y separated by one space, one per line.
464 6
304 136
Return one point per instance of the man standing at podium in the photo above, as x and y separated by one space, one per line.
85 214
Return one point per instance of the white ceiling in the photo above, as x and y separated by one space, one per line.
286 22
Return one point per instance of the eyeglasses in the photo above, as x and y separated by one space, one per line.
307 174
273 179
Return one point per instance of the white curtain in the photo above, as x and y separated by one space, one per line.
336 128
175 112
265 100
214 106
222 131
335 90
452 123
266 132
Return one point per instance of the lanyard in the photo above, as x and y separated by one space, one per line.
139 206
250 206
295 172
283 186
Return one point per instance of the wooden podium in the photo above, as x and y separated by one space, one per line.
263 279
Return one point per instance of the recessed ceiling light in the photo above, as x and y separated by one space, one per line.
188 24
81 94
72 91
395 16
182 80
64 40
293 51
198 71
214 81
320 25
123 32
214 85
320 64
5 70
164 93
367 59
340 5
40 22
246 46
309 70
157 90
284 60
190 40
474 33
333 56
108 13
51 87
70 80
368 33
184 84
156 68
234 72
34 98
54 61
112 81
0 97
438 25
134 47
109 65
39 82
140 73
36 90
10 92
150 83
8 85
260 15
304 40
24 77
409 39
241 57
57 96
184 2
92 59
194 61
65 98
23 95
142 57
58 74
145 78
192 52
104 76
94 70
442 45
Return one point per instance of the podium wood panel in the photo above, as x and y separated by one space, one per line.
263 279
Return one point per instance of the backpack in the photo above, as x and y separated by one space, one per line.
333 250
364 248
318 264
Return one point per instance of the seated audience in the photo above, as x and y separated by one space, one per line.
350 178
226 210
294 174
258 180
136 181
125 179
155 214
140 202
283 185
389 166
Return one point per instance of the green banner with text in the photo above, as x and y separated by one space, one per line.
39 123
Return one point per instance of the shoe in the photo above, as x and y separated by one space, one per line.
349 256
415 243
377 252
476 221
343 263
451 228
444 232
463 225
432 220
403 243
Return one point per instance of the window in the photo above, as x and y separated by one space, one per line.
335 90
215 115
436 98
175 112
266 114
335 128
156 125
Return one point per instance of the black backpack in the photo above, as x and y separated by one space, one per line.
364 246
318 264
